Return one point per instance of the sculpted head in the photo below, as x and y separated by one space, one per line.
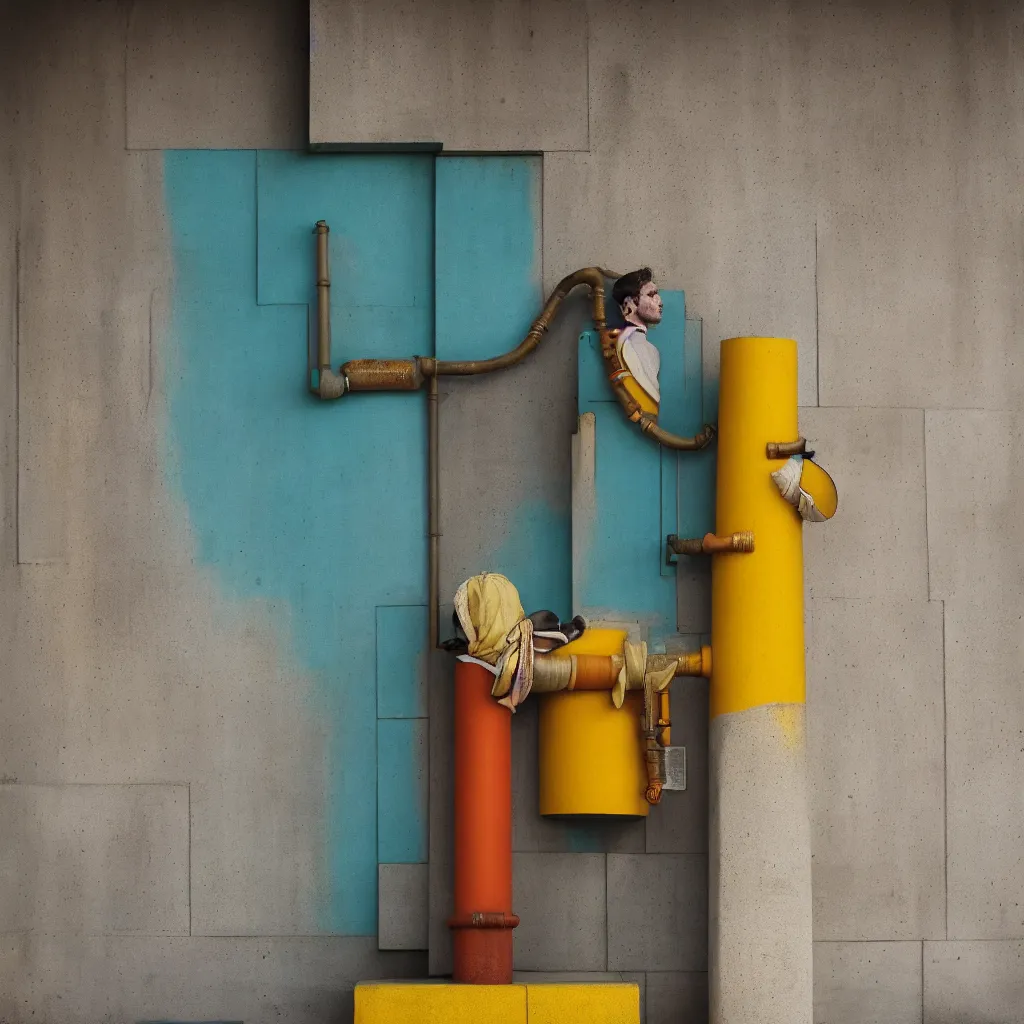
637 297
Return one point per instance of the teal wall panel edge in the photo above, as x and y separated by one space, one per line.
402 661
402 791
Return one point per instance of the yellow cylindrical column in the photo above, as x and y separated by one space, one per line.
591 759
760 954
757 618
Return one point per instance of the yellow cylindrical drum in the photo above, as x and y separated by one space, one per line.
757 622
590 753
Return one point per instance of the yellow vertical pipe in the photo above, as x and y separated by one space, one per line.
757 622
760 937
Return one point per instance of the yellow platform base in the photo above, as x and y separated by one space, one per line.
396 1002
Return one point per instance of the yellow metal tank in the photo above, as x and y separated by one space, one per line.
590 753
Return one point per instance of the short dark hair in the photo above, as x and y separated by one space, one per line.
628 286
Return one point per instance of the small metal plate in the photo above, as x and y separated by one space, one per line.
675 768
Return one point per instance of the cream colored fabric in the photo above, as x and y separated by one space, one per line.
488 608
514 678
787 479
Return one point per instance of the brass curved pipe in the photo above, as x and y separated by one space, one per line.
592 276
412 374
649 426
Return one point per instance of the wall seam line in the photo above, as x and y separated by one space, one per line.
945 781
817 325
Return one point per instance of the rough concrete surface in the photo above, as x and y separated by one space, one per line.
860 982
217 74
839 172
84 979
760 958
562 904
984 761
875 741
973 982
99 859
710 189
657 912
402 896
123 663
975 488
877 546
472 75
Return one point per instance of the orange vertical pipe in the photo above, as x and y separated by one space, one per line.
483 920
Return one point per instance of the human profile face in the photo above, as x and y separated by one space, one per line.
649 304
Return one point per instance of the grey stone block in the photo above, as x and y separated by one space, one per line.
742 245
975 492
917 300
65 979
469 76
560 900
674 996
968 982
533 833
875 756
111 859
985 759
856 982
202 77
877 544
679 824
693 595
402 899
657 912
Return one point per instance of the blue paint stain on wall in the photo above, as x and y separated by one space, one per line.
401 662
402 793
321 506
487 253
622 577
536 554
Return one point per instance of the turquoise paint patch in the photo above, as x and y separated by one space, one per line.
697 470
402 791
621 575
487 253
536 555
401 662
318 506
380 210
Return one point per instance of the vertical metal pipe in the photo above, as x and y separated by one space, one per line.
433 516
323 298
483 920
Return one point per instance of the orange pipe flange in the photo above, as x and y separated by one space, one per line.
482 922
595 672
696 663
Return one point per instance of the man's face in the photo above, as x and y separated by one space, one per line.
649 304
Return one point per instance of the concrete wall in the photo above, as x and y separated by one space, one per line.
838 172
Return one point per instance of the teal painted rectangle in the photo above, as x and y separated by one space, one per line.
487 253
402 791
401 662
380 210
317 509
696 470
